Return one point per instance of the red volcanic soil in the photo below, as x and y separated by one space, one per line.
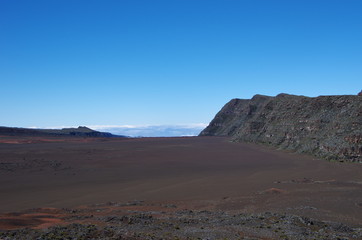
197 172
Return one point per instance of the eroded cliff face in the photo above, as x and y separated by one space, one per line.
326 126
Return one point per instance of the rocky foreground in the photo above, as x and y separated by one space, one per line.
326 126
138 220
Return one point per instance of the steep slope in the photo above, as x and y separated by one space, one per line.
325 126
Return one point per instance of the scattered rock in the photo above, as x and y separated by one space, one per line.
187 224
274 191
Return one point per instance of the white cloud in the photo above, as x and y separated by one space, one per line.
152 130
191 125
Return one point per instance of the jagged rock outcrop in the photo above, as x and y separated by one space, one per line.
326 126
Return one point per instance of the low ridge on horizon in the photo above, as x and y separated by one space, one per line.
81 131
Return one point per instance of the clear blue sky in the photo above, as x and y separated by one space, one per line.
69 62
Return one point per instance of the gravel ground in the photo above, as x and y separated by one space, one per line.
189 224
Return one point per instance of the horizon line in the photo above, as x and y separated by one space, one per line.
125 126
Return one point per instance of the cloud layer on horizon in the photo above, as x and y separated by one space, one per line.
152 130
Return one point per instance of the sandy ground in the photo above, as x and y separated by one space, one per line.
197 172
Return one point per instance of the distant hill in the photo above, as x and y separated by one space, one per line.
325 126
80 132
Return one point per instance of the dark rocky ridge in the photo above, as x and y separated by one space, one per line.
80 132
326 126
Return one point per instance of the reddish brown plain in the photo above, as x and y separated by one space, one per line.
198 172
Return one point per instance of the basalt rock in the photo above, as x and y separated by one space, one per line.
326 126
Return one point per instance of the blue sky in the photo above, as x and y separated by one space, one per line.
70 63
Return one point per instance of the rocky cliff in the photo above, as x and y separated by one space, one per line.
326 126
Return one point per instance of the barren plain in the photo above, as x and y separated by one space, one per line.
48 183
